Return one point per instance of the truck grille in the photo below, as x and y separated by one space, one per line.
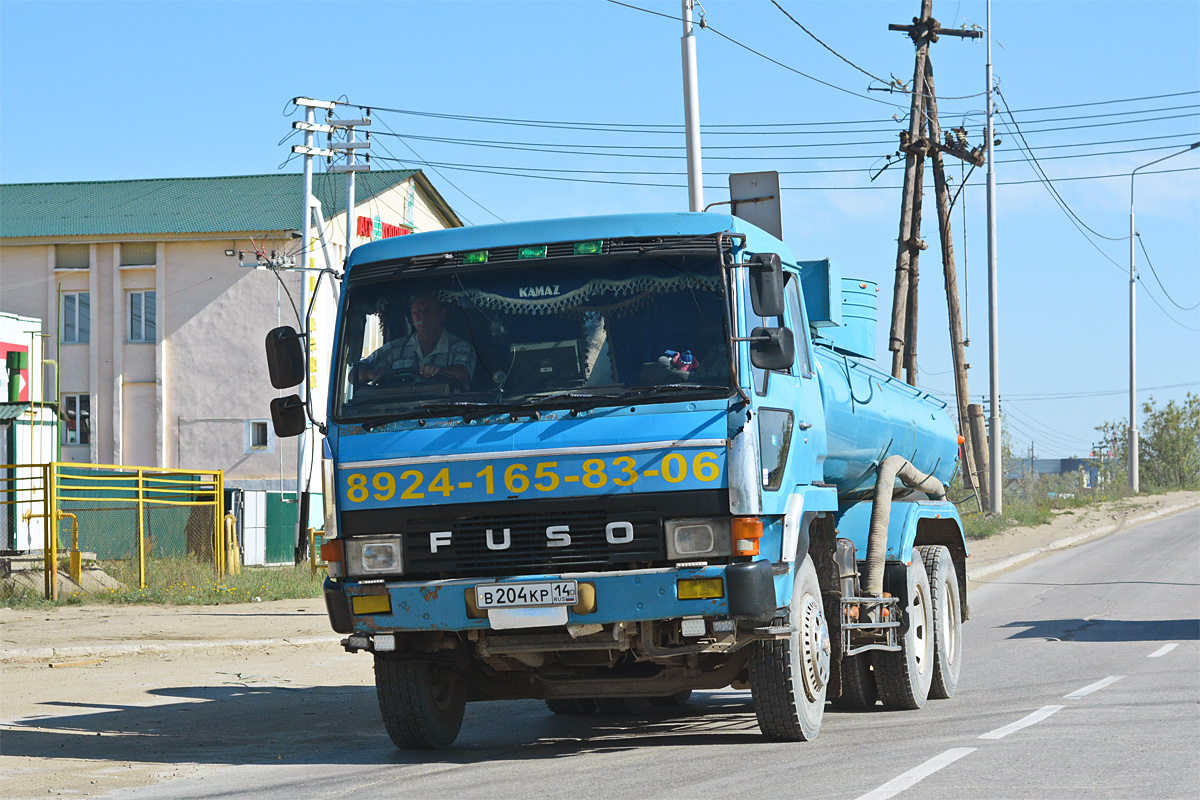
462 542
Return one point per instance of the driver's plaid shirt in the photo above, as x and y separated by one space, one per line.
406 355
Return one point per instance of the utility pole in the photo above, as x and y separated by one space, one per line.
996 476
307 444
923 114
691 111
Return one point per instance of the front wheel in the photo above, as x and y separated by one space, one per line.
904 676
947 620
788 677
422 703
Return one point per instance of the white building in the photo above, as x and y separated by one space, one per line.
156 328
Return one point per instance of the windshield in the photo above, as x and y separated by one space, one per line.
533 335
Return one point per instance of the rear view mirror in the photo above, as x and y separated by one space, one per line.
285 358
772 348
288 417
766 285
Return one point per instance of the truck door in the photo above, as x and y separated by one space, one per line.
786 402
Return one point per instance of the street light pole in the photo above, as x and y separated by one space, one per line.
1133 431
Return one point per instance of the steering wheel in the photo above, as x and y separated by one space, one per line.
393 378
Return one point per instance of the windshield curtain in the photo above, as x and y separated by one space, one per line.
533 331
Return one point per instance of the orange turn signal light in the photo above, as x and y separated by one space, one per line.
333 550
746 531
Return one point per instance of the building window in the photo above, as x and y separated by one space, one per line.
138 254
76 317
258 436
77 409
142 317
72 256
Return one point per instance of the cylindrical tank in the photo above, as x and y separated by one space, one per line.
870 415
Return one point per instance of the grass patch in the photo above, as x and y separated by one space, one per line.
1032 501
180 581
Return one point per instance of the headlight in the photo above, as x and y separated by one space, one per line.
697 538
375 555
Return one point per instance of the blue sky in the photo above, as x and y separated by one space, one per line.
98 91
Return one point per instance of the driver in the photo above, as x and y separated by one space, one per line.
430 351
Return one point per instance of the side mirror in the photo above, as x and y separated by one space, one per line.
285 357
766 285
772 348
288 417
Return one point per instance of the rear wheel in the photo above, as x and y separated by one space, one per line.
422 703
788 677
904 676
947 620
859 692
572 706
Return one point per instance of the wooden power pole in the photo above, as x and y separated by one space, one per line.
917 146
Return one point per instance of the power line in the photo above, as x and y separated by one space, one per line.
1100 393
835 52
705 25
1166 313
1153 272
440 175
1110 102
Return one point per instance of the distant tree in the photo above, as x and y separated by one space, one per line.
1168 446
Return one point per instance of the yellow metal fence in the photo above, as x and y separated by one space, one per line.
134 526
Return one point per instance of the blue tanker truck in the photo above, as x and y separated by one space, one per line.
606 460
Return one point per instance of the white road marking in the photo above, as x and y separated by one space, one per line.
1078 693
1162 651
1033 719
898 784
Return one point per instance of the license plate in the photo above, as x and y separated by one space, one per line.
526 595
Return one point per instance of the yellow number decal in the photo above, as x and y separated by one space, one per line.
627 469
357 491
385 485
593 473
705 466
411 492
489 475
546 470
515 478
441 483
680 469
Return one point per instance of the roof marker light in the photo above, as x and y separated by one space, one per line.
475 257
589 248
535 251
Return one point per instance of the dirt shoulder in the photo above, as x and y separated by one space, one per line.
1014 547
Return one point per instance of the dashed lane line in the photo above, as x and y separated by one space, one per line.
1078 693
1162 651
898 784
1033 719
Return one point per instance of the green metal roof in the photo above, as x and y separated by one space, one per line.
182 205
10 411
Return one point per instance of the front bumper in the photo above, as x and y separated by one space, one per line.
621 596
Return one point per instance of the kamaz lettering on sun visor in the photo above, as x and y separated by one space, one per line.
682 466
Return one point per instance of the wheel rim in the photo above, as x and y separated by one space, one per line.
948 619
815 646
922 635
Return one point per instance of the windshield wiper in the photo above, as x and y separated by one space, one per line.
645 392
464 407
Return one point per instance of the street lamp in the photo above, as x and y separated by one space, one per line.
1133 433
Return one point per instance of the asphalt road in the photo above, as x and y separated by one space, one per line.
1081 679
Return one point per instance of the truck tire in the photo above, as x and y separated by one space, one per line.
859 692
619 706
572 706
422 703
904 676
788 677
947 620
